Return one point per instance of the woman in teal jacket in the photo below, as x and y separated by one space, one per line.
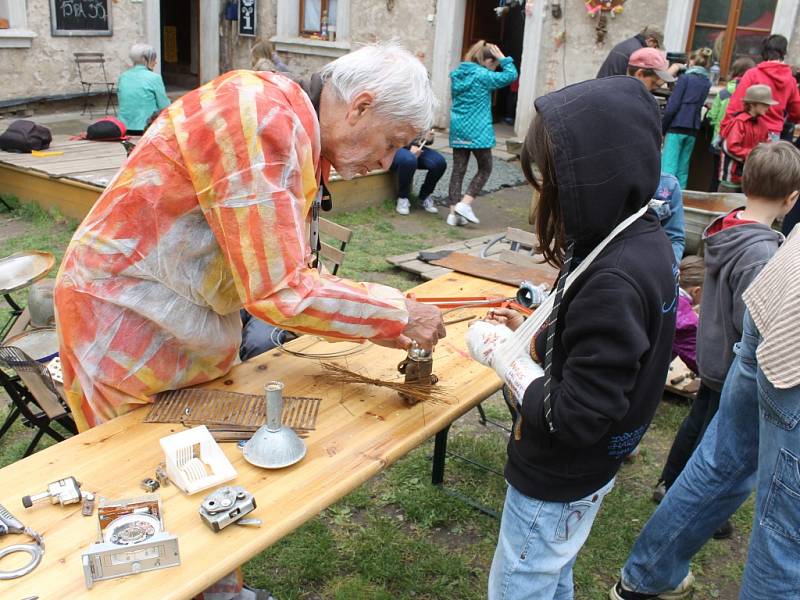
140 91
472 84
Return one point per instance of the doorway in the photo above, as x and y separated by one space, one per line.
180 44
482 23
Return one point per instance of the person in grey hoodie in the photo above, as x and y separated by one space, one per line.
737 246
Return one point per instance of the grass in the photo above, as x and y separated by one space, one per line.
399 537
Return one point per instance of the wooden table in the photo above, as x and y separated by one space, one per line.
360 431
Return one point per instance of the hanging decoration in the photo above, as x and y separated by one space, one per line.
601 9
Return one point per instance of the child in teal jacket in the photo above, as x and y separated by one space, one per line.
471 131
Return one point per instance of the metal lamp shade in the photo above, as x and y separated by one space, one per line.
274 445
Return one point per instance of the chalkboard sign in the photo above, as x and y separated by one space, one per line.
80 17
247 17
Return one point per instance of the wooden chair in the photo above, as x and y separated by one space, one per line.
34 397
332 255
92 73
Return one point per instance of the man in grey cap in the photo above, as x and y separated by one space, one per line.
616 62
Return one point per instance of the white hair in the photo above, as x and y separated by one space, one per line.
141 54
398 79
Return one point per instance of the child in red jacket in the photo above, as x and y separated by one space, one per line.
741 134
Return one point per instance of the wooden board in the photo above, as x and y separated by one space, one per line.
359 432
497 271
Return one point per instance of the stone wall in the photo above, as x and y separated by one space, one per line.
569 52
47 68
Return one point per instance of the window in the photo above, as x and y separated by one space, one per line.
731 28
13 25
311 12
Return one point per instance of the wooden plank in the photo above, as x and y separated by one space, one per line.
526 238
359 432
713 202
497 271
521 259
336 231
416 266
70 198
435 272
328 252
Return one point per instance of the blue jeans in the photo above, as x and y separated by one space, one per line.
676 156
539 542
754 439
405 163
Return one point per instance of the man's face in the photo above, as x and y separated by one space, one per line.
651 82
358 141
651 42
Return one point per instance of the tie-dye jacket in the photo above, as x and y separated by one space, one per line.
209 214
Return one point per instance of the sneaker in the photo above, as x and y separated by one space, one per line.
403 206
725 531
465 210
455 220
428 205
618 592
659 492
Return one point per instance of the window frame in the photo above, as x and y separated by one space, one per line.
17 35
323 6
729 31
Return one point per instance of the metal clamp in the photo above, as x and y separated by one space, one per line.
35 550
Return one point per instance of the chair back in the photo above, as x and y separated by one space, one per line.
36 378
85 61
331 255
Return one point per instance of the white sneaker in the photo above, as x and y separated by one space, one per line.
403 206
465 210
428 205
455 220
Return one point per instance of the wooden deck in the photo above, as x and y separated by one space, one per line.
72 180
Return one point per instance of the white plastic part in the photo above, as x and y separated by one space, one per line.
195 462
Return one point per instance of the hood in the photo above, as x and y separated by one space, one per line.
698 71
779 76
464 76
727 245
607 138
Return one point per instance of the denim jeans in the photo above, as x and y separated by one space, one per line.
539 542
405 163
754 439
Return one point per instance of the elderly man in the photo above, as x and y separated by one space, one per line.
616 62
212 214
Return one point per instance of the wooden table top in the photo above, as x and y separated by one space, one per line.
360 431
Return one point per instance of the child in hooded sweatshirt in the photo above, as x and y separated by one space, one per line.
775 73
471 130
737 246
682 115
586 388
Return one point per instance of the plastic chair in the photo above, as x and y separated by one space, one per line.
34 396
92 72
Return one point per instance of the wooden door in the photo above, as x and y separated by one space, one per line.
481 23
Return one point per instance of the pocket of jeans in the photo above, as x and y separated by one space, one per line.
782 508
571 515
779 407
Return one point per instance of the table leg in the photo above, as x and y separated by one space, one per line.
16 311
439 456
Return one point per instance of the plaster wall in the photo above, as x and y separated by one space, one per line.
569 52
47 67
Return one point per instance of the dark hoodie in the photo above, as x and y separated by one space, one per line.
778 76
616 322
733 257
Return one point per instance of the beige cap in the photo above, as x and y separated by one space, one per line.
759 94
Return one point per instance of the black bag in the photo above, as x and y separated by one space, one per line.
24 136
106 129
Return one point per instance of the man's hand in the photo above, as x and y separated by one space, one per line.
425 325
415 150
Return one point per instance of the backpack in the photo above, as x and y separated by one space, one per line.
24 136
106 129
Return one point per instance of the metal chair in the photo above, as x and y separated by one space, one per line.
92 72
34 396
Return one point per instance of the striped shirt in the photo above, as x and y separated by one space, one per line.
209 214
773 300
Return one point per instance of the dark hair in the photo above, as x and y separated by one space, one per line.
693 270
647 72
772 171
741 65
545 215
774 47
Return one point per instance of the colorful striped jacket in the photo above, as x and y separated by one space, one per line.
209 214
